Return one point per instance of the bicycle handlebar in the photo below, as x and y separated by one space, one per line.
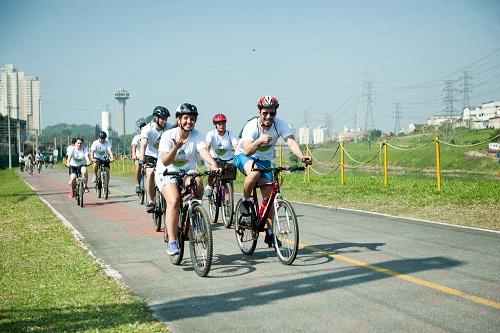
279 169
193 173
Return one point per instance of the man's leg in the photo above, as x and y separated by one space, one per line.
150 188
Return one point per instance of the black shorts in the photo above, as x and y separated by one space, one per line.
150 160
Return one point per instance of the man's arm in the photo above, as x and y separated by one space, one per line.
295 148
144 143
249 147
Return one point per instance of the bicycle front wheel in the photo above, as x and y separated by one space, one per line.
80 192
104 180
159 211
213 207
200 241
246 235
286 232
228 205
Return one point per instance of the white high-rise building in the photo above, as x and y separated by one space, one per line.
305 135
21 95
321 134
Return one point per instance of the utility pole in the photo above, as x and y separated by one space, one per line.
467 85
397 116
449 99
368 107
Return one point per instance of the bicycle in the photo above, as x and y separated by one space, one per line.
193 226
284 227
159 209
39 166
223 194
102 180
80 185
143 194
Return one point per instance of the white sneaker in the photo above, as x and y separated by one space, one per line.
172 248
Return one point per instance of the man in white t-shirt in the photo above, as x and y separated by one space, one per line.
256 146
150 140
136 153
222 144
179 148
100 153
78 159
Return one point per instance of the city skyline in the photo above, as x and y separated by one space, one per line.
316 58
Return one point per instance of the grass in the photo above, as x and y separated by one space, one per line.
48 283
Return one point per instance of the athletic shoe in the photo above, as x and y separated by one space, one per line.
86 189
172 248
208 191
268 239
150 207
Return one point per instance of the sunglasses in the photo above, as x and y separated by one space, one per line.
272 114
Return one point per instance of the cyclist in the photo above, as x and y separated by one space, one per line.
221 144
30 163
136 152
68 151
150 140
256 147
178 151
21 162
78 158
39 158
100 152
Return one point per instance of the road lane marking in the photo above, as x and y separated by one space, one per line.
404 277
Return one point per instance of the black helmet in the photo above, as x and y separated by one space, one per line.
161 112
140 123
186 108
102 135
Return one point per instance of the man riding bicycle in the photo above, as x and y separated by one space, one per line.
78 158
136 153
150 141
100 153
221 144
256 147
178 150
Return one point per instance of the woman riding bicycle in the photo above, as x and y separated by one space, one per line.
78 159
178 150
221 144
256 147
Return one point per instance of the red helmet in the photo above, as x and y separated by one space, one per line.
268 102
219 118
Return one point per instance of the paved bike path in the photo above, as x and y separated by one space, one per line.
356 272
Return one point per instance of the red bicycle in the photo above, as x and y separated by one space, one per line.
285 227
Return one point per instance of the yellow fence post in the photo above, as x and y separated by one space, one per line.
385 163
308 167
281 162
438 164
341 163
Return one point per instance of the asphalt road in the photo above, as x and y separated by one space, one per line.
355 272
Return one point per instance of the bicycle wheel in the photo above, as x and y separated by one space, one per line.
228 205
104 181
213 207
158 213
142 193
176 259
80 192
246 235
286 232
200 241
77 193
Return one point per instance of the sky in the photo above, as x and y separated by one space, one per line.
314 56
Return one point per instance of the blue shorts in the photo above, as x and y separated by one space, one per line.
242 159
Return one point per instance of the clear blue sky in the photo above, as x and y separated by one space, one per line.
312 55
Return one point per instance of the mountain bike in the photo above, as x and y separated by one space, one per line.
194 225
223 194
160 207
143 194
80 186
102 180
285 227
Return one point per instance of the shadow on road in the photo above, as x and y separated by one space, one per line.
200 306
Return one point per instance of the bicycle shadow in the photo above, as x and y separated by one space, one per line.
188 307
343 247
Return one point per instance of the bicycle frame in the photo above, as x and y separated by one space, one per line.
262 219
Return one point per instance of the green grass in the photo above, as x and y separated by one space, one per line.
47 281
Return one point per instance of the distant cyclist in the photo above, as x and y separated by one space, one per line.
256 147
136 153
78 159
21 162
68 150
150 141
100 153
221 143
179 148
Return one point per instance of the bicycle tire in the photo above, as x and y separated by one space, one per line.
104 180
285 232
200 241
176 259
80 192
213 206
227 206
158 212
77 194
142 193
246 236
